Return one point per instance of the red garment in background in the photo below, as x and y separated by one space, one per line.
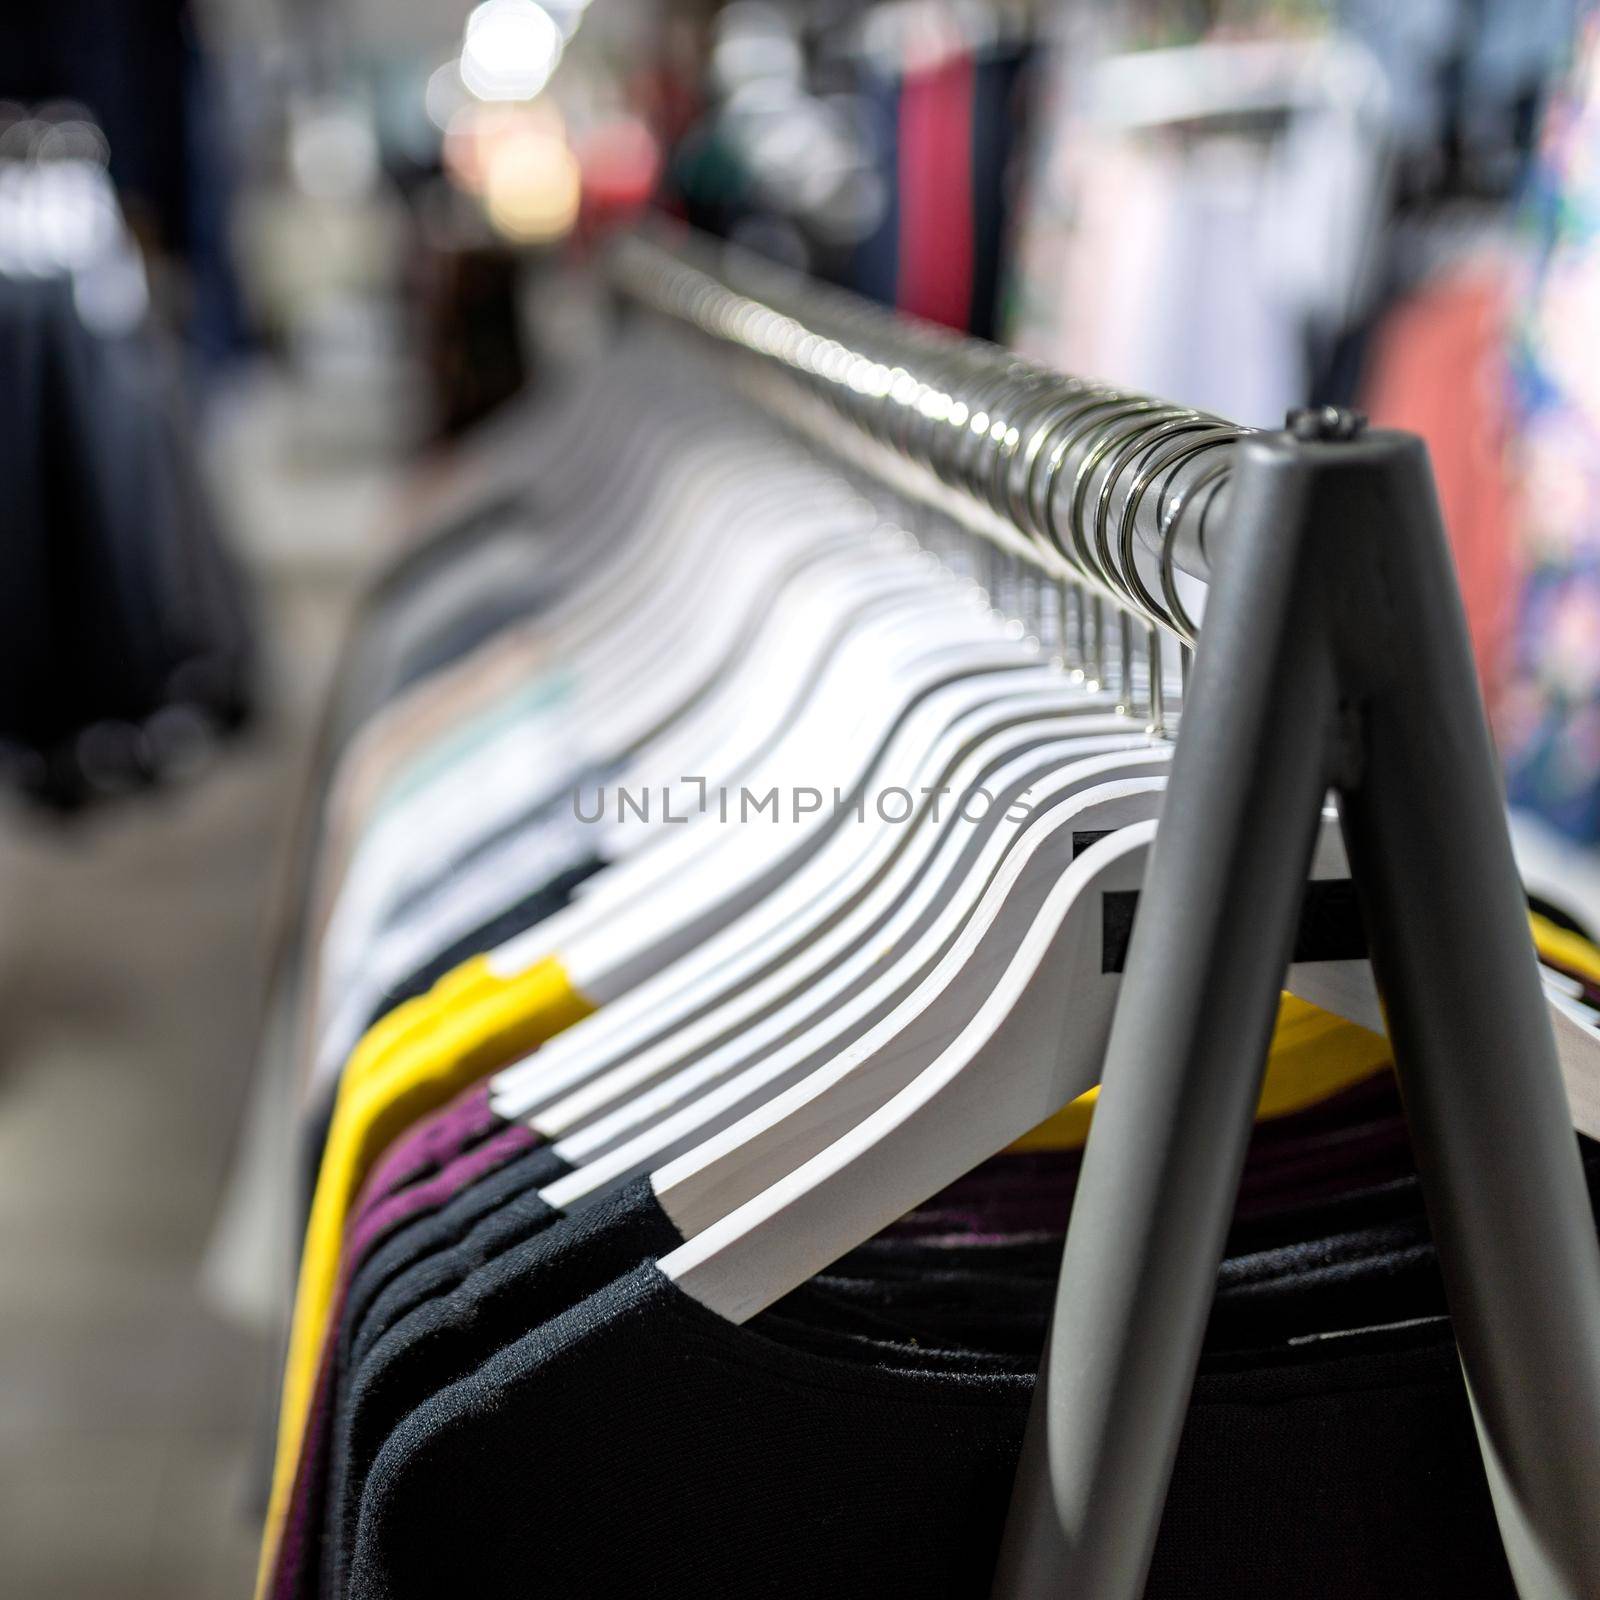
1438 369
935 171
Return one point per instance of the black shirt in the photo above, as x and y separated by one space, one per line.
639 1444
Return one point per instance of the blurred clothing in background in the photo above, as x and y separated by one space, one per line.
1438 368
127 639
140 73
881 153
1551 723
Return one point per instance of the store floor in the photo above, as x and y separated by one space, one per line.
131 950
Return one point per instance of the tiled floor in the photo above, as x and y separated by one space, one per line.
130 965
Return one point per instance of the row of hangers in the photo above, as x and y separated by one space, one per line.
810 1023
1119 495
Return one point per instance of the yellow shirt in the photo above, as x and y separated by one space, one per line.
1563 949
424 1052
1314 1053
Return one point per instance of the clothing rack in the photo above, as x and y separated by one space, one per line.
1333 656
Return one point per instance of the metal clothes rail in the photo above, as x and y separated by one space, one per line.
1112 493
1333 656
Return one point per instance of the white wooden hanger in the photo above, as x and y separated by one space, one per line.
1000 1037
811 899
877 944
927 634
856 561
584 506
359 961
709 554
733 868
563 441
819 577
891 599
687 473
857 1160
759 715
622 586
1002 895
465 789
926 731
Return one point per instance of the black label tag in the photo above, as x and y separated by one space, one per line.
1330 920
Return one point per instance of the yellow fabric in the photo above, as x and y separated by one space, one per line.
1314 1054
470 1024
1564 949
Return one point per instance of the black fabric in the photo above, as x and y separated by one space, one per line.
509 1190
131 642
510 1262
1386 1497
449 1333
526 1263
637 1444
1298 1184
505 1205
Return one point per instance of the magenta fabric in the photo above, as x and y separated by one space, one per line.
432 1144
1355 1138
937 250
380 1213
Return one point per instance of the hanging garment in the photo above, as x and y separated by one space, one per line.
129 647
936 191
1437 368
1550 720
1161 183
740 1437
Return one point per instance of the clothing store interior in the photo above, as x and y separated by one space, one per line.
600 993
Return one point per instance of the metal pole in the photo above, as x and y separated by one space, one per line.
1425 830
1333 653
1187 1051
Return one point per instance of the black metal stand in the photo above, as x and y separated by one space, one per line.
1334 655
